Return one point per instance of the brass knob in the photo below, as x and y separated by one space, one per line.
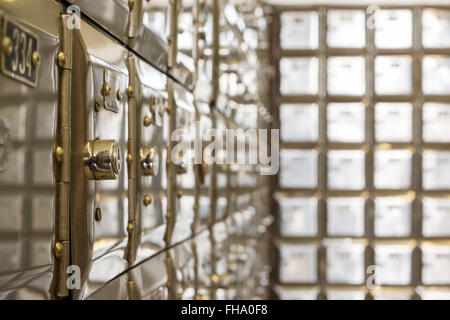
101 159
147 200
149 160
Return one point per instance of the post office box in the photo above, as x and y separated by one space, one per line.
345 263
435 170
143 25
152 132
147 281
436 217
346 169
345 217
299 30
346 28
346 122
101 117
435 28
394 264
298 168
393 122
435 264
436 75
393 28
392 217
435 294
299 76
184 271
28 109
286 293
346 76
182 160
393 75
393 169
345 294
299 122
436 120
298 263
298 217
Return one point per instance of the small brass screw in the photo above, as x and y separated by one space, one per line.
36 59
147 121
98 214
130 227
147 200
129 159
179 194
61 59
59 153
58 249
7 45
119 95
130 92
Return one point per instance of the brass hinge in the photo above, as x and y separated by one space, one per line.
170 270
132 157
173 35
62 164
171 170
134 17
131 287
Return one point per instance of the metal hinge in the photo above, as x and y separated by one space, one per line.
171 170
132 157
62 164
134 18
171 278
173 35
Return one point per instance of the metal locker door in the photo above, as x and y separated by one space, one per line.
181 178
28 109
184 267
146 27
100 123
146 281
127 21
202 171
152 132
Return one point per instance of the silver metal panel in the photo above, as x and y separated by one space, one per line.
98 246
152 132
27 133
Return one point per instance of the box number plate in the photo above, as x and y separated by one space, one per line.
20 56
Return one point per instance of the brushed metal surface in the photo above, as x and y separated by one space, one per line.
98 246
26 180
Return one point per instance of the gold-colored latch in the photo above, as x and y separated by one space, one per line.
149 160
101 159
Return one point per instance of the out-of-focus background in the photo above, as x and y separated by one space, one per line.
363 208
